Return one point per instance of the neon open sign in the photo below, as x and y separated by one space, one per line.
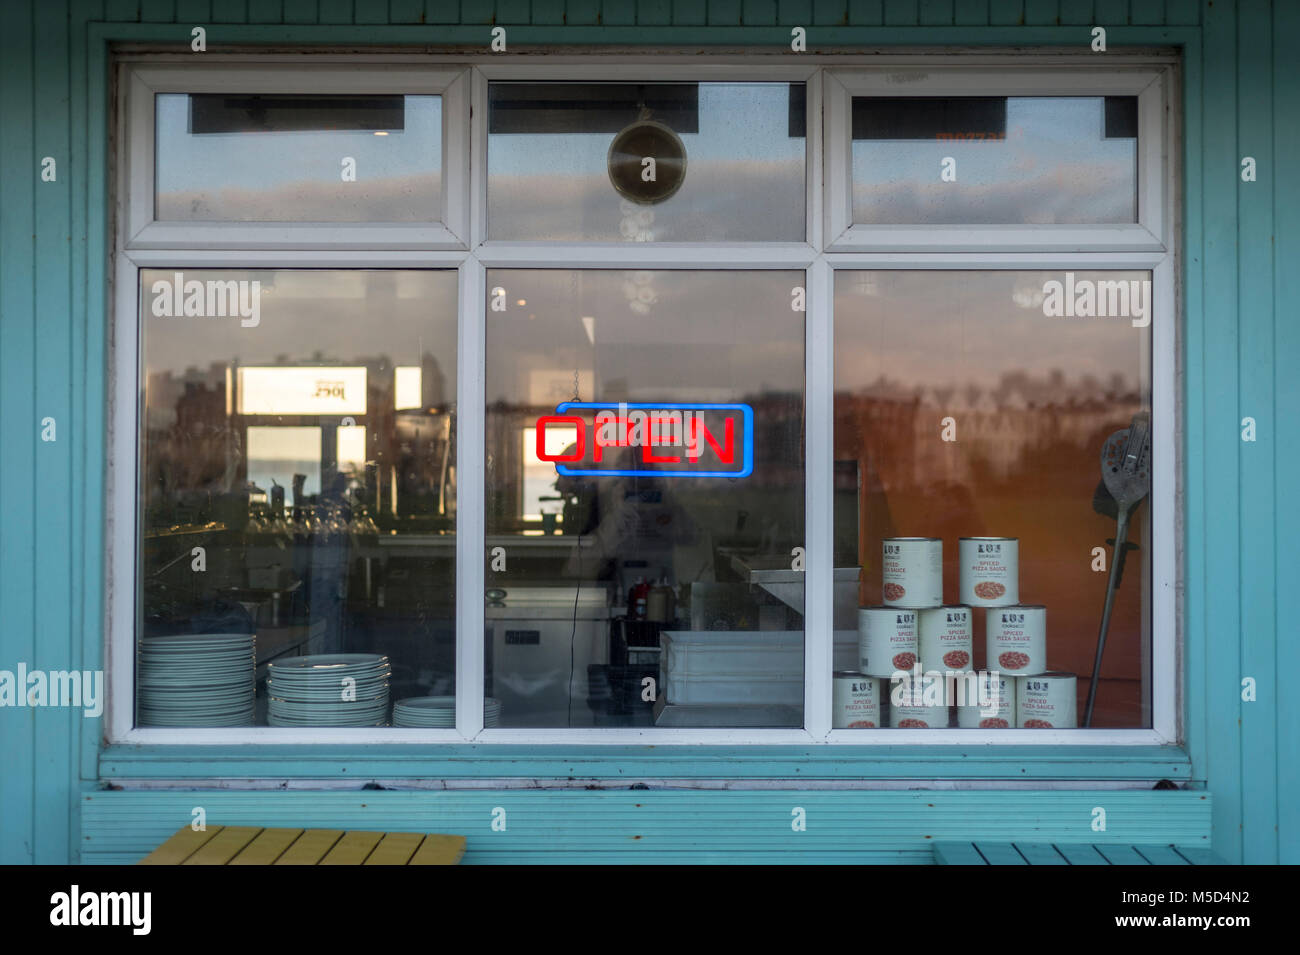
675 440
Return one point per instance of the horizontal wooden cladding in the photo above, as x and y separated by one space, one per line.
613 763
511 826
808 13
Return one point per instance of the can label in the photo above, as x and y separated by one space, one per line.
989 704
946 638
989 571
919 702
1047 701
887 640
912 571
1016 640
855 700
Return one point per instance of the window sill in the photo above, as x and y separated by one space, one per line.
563 761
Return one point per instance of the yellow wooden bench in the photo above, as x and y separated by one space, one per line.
253 845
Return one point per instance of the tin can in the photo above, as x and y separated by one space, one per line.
856 701
946 638
990 571
1047 701
912 571
986 701
919 703
1016 639
886 640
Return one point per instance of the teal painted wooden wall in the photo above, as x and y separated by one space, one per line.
1240 322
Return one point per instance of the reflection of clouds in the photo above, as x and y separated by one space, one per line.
932 328
398 199
336 322
710 333
1064 192
719 200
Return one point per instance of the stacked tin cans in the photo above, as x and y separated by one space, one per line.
923 647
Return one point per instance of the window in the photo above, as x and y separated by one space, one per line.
672 457
294 157
644 423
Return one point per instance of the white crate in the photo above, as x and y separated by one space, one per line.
734 666
742 666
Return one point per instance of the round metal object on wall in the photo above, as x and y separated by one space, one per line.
646 139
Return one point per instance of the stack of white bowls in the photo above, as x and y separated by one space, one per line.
328 689
204 679
439 711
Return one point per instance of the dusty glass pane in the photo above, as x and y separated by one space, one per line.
1018 159
297 486
298 158
549 151
645 491
976 405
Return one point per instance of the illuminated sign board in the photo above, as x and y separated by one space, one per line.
641 439
305 391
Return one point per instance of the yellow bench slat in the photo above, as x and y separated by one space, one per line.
182 844
310 847
396 848
267 847
352 849
439 849
224 846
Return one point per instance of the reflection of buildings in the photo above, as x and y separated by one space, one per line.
1000 431
196 448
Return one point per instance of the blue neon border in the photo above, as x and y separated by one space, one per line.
744 409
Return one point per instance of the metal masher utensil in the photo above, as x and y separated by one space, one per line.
1126 473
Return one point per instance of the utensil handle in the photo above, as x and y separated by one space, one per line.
1121 534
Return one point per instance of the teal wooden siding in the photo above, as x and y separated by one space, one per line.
666 826
1241 346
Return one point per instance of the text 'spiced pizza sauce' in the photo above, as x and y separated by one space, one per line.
1047 701
919 702
855 701
989 571
946 638
992 705
912 571
887 640
1016 639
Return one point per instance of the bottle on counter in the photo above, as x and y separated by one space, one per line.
659 602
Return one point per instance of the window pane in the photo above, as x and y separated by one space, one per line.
976 405
298 158
645 491
1017 159
559 154
298 487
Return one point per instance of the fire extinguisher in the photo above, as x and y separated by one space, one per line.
636 599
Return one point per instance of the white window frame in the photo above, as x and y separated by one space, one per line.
1147 234
829 81
140 230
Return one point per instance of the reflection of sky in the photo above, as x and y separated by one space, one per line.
344 316
265 167
932 329
1054 166
707 336
744 177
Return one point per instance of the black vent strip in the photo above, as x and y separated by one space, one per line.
1121 117
929 117
590 108
260 113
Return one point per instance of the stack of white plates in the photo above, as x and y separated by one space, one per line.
202 679
328 689
439 711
